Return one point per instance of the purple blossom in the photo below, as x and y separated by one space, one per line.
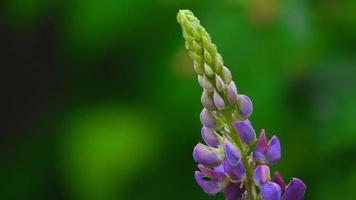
220 179
245 130
261 175
267 153
271 191
233 154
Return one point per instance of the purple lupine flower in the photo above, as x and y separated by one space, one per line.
208 156
245 130
261 175
267 153
270 191
216 183
236 173
293 191
244 106
232 153
220 179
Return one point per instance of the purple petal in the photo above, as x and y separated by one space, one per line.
210 137
261 148
270 191
209 186
207 119
231 92
245 106
245 131
295 190
233 191
217 174
274 150
261 175
237 173
207 101
279 180
233 154
218 101
208 156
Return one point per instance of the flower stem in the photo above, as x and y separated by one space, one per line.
249 183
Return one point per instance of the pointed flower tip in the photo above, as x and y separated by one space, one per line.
245 131
207 156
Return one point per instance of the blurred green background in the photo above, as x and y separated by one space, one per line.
100 101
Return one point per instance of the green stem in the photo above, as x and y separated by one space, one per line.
249 183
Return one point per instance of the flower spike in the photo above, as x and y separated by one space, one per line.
225 162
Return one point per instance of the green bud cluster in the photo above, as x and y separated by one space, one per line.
206 58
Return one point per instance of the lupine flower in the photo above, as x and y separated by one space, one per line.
267 153
261 175
225 162
245 130
293 191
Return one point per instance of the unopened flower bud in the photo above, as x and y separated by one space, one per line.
207 119
207 84
208 70
210 137
198 68
207 156
226 75
207 101
244 106
219 83
218 100
231 92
